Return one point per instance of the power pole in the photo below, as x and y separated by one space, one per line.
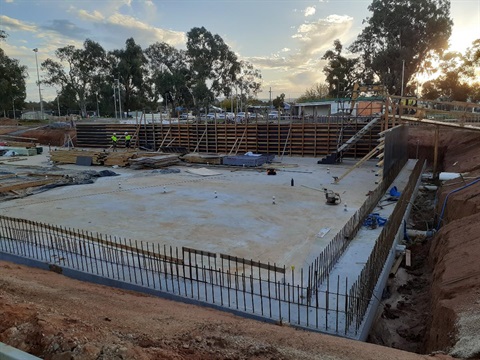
119 99
38 82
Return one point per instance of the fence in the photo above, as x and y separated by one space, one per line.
245 286
368 278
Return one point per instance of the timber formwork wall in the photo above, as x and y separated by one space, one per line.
295 139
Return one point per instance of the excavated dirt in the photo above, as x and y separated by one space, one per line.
433 306
55 317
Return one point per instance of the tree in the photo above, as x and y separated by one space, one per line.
317 91
454 80
76 70
213 66
247 81
128 66
279 101
341 72
400 31
12 81
169 73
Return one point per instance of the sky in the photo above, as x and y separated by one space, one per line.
285 39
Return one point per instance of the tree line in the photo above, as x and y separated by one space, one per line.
401 39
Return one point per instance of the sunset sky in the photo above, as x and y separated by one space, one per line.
285 39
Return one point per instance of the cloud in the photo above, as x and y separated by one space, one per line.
11 24
144 32
313 39
66 28
302 66
309 11
117 27
95 16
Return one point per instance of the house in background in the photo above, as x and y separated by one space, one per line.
364 106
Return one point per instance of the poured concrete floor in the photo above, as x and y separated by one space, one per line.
182 209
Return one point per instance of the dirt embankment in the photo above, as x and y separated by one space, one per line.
455 252
55 317
454 321
435 304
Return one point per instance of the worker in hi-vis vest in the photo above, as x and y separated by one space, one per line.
114 141
128 138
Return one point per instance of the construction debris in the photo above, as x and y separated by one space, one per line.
154 162
70 156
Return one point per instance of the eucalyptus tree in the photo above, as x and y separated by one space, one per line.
214 68
455 80
341 72
128 66
401 36
75 70
12 81
316 92
169 75
247 82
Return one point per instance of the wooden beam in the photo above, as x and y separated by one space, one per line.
441 123
25 185
360 162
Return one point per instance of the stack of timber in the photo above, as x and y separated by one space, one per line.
18 144
153 162
70 156
197 158
119 158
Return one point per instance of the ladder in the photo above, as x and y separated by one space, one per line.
337 155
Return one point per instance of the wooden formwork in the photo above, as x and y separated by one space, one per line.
291 139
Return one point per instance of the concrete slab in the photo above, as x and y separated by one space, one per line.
229 213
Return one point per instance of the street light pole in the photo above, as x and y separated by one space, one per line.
403 76
38 82
58 103
98 107
119 99
115 100
14 116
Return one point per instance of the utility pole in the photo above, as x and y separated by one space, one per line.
119 99
38 82
14 116
115 101
98 107
403 76
58 103
271 104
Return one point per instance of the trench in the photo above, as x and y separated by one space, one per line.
403 316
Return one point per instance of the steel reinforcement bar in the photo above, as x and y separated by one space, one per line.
362 289
245 286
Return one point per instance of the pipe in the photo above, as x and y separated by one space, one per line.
446 199
443 176
429 187
424 233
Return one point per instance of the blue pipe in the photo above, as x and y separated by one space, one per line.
446 198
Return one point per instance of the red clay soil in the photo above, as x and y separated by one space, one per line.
55 317
454 323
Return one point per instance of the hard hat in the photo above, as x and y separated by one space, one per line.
114 133
126 133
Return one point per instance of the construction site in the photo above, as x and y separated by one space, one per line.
256 240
